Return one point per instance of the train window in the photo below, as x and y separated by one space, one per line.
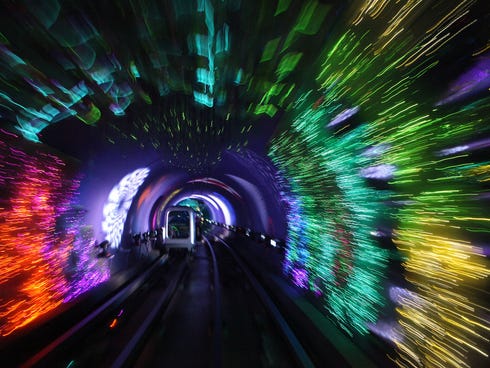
178 224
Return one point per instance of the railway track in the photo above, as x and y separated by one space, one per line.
201 310
221 317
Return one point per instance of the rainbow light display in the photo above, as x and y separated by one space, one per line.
46 260
373 121
381 117
330 219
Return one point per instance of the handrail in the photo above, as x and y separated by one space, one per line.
126 290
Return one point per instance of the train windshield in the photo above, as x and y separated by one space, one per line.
178 224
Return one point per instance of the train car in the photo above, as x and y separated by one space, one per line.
180 228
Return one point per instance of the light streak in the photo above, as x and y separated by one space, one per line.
440 317
388 59
344 115
47 253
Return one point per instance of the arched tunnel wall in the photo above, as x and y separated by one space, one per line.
357 131
57 209
247 183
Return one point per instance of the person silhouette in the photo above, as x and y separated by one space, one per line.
104 252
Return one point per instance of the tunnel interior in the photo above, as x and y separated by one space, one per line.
355 134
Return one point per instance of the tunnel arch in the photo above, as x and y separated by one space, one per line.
380 111
244 188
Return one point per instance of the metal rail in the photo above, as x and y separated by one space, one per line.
123 293
137 337
218 334
300 353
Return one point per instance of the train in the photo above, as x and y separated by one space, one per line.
181 229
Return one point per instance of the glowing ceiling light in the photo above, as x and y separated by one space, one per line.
216 201
218 183
118 203
223 207
204 198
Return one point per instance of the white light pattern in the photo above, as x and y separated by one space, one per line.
383 171
118 203
343 116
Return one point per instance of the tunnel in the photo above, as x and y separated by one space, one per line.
340 150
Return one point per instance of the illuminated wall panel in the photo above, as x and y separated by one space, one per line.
48 256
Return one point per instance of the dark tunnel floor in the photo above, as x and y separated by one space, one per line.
250 339
326 343
184 335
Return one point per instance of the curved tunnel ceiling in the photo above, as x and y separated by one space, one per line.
356 130
243 189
